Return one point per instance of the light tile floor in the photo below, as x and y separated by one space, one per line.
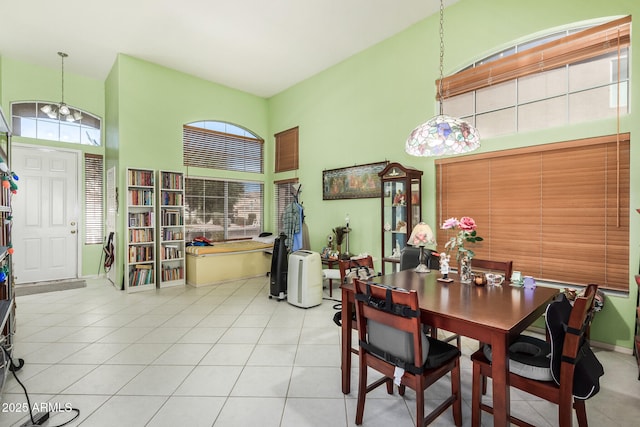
226 355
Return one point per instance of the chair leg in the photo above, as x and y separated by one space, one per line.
389 386
455 390
484 379
565 411
362 391
477 379
581 412
401 389
420 403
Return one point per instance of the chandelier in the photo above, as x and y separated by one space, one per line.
442 134
61 111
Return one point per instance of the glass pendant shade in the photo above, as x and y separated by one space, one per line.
64 110
442 135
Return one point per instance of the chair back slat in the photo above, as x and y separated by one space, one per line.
346 264
504 267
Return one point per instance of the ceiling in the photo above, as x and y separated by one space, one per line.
258 46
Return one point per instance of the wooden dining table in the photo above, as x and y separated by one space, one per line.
490 314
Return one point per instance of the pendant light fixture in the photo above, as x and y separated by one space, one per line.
62 110
442 135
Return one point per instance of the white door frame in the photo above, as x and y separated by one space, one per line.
79 196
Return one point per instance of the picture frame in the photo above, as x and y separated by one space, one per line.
353 182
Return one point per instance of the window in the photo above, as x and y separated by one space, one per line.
31 121
93 224
220 145
565 78
283 197
222 210
287 150
558 220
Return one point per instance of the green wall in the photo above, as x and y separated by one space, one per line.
151 104
363 109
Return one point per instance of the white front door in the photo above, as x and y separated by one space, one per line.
45 214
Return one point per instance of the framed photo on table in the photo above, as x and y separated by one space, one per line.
354 182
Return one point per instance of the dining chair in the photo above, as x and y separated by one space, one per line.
391 342
504 267
410 258
352 265
348 270
573 369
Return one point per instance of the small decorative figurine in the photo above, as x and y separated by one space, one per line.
399 199
444 265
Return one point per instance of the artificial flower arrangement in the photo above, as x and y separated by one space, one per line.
466 227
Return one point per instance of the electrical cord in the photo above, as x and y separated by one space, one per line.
41 416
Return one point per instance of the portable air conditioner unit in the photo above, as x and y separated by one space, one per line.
304 279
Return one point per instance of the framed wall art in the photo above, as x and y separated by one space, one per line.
354 182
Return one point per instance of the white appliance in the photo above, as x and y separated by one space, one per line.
304 279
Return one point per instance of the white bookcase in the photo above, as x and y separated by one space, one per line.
140 256
171 250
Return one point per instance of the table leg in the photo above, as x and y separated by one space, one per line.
500 374
330 287
347 316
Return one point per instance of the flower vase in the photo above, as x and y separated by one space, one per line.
464 269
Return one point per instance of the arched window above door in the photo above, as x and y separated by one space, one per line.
41 120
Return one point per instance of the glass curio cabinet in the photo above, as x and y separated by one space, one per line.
401 197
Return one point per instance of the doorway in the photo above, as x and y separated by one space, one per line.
45 214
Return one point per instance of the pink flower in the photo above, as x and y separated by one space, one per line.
467 224
450 223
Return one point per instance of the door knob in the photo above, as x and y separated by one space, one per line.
73 223
73 231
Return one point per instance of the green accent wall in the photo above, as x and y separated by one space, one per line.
151 104
363 109
26 82
358 111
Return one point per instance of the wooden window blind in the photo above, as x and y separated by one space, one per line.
559 211
212 149
287 150
571 49
283 197
93 195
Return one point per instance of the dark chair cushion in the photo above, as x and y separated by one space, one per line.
588 370
440 352
529 357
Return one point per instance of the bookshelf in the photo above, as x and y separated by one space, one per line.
140 254
171 245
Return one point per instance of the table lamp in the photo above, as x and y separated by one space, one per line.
421 236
